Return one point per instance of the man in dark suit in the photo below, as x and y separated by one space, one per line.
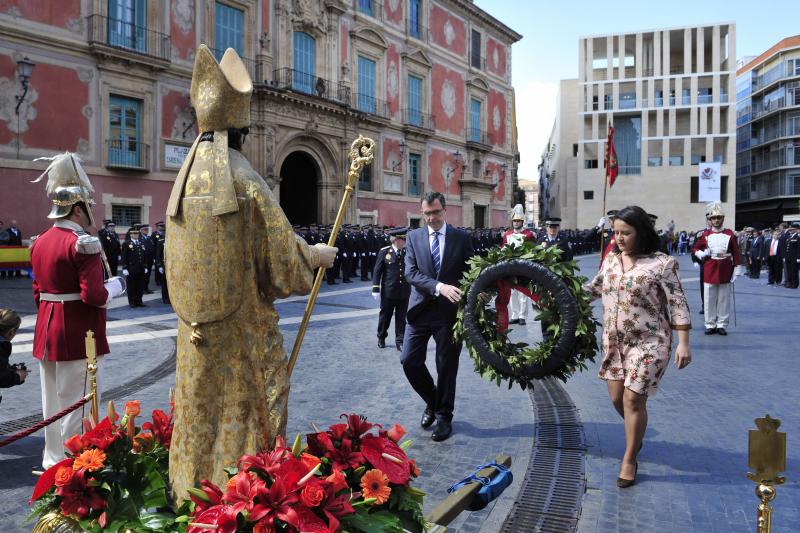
756 254
436 258
110 241
135 267
150 255
389 286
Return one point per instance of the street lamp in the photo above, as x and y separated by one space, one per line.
24 71
397 165
458 160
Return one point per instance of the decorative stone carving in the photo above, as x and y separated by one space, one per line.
496 118
182 127
309 14
85 74
448 98
9 90
83 147
87 111
495 59
346 70
183 15
449 33
76 25
391 80
312 126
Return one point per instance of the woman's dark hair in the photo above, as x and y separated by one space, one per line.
647 241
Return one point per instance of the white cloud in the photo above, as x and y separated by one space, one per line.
536 111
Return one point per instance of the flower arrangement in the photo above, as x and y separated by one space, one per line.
115 476
353 477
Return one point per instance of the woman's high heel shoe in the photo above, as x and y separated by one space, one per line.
625 483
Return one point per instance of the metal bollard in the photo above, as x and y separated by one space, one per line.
767 457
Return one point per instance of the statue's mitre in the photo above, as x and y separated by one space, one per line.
221 91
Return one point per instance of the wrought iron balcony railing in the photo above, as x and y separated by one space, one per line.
478 136
250 64
127 36
128 153
369 104
302 82
415 117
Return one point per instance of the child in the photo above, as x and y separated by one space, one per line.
10 375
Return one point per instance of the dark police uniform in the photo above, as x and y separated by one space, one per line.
161 269
388 278
110 241
134 260
560 241
792 256
157 238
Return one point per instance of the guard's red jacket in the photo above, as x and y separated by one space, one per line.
60 268
724 248
526 233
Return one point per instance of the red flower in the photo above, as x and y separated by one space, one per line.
213 496
78 498
357 425
133 408
336 507
161 427
103 434
267 462
242 489
310 461
313 493
396 432
414 468
320 444
47 479
337 480
64 475
222 516
388 457
343 456
338 431
74 444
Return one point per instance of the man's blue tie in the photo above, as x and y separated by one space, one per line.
437 260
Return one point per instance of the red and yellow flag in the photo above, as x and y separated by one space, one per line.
611 158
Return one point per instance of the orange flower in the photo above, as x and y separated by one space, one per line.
64 476
375 484
309 461
91 460
142 442
133 408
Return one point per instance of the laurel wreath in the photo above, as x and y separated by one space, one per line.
563 304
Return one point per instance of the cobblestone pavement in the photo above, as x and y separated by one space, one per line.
693 464
340 370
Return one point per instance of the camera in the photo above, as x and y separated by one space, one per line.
20 366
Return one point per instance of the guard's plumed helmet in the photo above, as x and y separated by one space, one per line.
714 209
518 213
67 184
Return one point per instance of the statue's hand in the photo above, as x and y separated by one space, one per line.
327 254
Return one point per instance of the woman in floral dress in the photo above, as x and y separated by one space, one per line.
643 301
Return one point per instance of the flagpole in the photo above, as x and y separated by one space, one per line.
605 189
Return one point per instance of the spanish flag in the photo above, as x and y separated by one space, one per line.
611 158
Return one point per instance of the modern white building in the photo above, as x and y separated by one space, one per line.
669 94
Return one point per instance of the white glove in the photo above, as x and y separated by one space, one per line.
115 286
146 271
125 272
344 255
376 296
702 254
602 223
160 270
696 265
738 271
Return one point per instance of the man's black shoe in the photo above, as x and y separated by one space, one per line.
443 431
148 291
333 283
712 331
701 311
514 321
346 281
399 346
142 304
721 331
428 419
521 321
381 343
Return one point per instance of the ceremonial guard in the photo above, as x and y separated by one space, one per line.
391 289
71 297
134 267
111 247
517 236
719 251
230 253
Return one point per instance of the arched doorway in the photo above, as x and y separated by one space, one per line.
299 179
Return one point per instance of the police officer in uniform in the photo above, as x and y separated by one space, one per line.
150 254
110 241
135 267
792 256
161 267
157 238
390 287
552 237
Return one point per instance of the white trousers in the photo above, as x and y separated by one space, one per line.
519 305
63 384
717 305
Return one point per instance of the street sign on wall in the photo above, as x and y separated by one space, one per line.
174 154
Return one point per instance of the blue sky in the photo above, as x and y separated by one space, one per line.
548 51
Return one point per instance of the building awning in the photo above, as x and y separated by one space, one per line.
759 206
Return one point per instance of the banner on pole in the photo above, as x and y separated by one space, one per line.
709 183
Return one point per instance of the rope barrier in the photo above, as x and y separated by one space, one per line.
44 423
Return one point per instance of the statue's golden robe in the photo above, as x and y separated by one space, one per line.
224 272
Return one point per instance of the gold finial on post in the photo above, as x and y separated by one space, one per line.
91 366
362 152
767 457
